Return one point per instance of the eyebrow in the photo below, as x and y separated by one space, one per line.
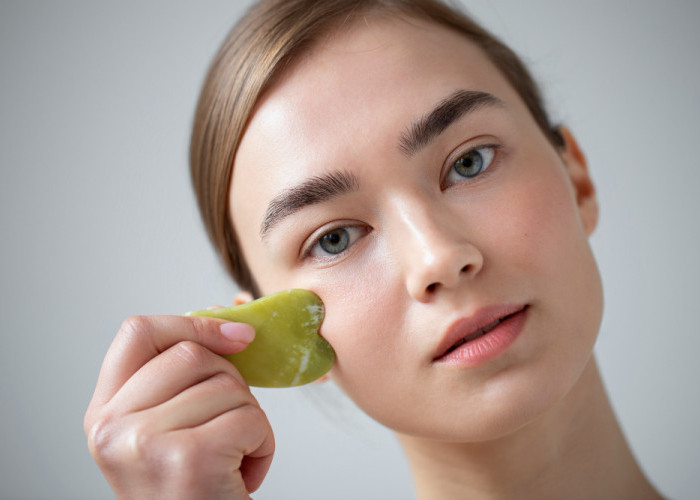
425 129
310 192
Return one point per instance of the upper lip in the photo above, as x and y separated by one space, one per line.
464 327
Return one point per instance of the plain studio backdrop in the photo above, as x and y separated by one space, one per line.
99 223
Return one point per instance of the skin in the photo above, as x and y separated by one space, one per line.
171 418
519 228
425 253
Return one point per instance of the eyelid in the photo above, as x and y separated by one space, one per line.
465 148
314 239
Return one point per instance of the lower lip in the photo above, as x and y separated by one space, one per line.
488 346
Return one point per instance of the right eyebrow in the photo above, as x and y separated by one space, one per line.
310 192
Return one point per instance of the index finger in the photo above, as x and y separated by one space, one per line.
141 338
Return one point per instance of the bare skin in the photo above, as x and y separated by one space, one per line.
534 422
408 248
170 418
576 451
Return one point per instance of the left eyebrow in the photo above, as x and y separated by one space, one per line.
425 129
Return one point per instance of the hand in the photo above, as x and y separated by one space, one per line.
170 418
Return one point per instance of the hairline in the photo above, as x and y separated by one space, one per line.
283 53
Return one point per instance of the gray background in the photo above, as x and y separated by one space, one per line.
98 223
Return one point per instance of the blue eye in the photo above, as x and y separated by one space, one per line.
470 164
336 241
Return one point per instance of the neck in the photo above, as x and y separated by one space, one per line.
575 450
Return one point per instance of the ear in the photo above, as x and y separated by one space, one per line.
242 297
577 168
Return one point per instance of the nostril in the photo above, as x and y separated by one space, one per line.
431 287
465 269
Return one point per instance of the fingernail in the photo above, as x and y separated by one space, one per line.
238 332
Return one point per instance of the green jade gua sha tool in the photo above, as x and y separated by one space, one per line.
287 350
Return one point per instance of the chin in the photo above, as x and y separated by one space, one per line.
524 398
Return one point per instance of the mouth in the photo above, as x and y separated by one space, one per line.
478 333
456 336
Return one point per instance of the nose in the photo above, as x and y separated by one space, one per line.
437 252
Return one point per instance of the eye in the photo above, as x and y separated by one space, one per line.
470 164
336 241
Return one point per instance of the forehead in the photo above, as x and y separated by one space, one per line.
345 103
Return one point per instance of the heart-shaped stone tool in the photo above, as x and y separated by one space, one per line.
288 349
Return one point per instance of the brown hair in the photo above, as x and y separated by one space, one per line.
268 36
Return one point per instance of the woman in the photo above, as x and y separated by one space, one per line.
396 159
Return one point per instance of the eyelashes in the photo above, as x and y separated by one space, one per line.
469 165
336 241
333 242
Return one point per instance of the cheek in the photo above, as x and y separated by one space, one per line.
539 229
364 323
552 252
359 312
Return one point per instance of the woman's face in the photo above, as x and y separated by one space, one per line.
393 171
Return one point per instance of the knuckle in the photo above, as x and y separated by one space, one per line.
184 458
200 327
101 434
254 425
134 326
256 414
227 382
191 352
138 444
115 443
248 416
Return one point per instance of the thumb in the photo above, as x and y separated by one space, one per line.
239 335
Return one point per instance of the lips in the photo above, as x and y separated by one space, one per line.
470 328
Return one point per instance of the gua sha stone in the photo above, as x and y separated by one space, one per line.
288 349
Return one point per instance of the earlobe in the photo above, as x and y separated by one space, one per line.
577 168
242 297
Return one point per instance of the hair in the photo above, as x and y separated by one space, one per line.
263 42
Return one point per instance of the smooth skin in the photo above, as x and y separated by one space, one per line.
420 247
425 246
422 254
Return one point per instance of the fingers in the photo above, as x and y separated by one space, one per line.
171 415
142 338
255 447
164 377
207 461
237 439
202 402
